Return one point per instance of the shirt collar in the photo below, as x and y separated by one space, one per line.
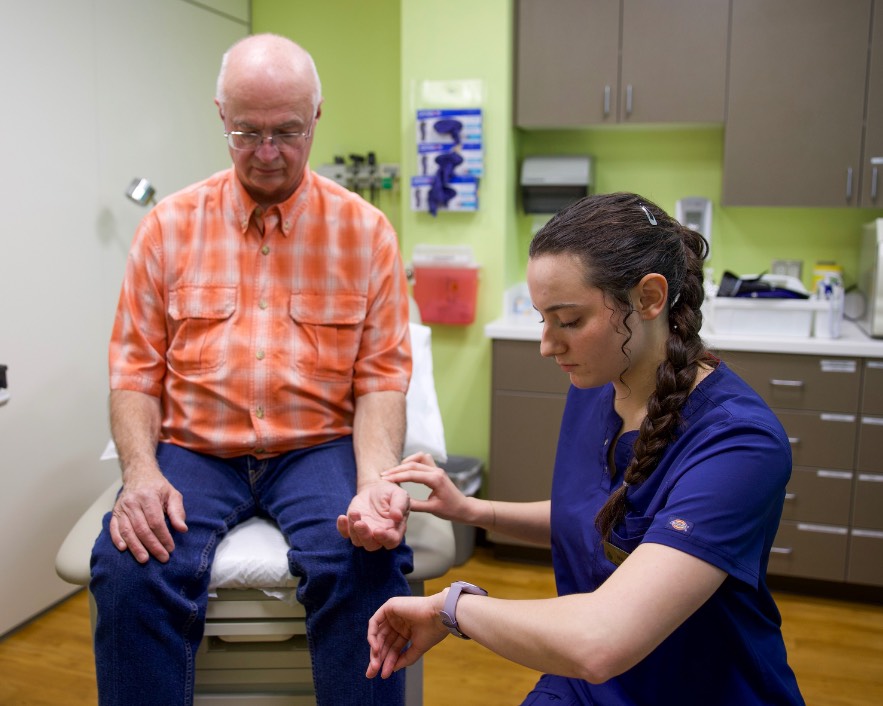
289 210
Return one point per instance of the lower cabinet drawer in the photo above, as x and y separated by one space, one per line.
810 551
217 653
867 509
870 444
819 439
250 698
865 557
272 666
818 495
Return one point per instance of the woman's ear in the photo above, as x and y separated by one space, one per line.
652 295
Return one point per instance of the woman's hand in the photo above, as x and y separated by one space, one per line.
445 500
397 623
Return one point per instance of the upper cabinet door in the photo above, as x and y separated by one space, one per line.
596 62
796 102
674 61
872 169
567 62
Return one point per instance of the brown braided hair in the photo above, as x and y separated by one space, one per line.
619 238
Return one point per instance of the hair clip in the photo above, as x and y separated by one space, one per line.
648 214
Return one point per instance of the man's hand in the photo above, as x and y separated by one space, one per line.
377 516
139 516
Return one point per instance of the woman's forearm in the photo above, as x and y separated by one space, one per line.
529 522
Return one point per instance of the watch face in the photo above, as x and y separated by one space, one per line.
467 585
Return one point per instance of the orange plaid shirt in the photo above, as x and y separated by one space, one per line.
258 330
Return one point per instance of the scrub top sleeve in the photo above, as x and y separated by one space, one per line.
726 502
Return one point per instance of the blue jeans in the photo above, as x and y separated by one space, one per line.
151 617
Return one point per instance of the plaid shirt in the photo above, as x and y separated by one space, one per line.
258 330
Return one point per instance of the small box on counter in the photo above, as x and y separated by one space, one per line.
747 316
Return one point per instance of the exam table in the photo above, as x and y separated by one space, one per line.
254 652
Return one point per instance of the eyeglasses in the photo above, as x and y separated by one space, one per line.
253 140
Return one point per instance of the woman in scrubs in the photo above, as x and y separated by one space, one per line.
667 491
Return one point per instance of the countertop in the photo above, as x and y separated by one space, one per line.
852 342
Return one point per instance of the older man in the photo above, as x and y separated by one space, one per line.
258 365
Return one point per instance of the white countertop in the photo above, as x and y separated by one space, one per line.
852 342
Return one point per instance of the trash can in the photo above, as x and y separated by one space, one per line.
465 472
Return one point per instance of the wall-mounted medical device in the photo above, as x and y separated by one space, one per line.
695 213
549 183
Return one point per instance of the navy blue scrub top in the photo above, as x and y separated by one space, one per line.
717 494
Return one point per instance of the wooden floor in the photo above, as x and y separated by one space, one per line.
835 648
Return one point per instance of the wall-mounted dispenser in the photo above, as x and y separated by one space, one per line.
695 213
549 183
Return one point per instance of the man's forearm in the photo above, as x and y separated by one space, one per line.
135 420
378 433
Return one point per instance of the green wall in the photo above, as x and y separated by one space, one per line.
665 164
356 47
465 40
373 57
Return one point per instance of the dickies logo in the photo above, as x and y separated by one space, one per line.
678 524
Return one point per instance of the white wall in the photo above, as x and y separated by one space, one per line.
94 93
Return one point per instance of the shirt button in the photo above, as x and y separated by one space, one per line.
265 250
259 413
260 355
263 304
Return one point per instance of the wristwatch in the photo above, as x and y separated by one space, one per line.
448 614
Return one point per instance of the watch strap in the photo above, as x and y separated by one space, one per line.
449 613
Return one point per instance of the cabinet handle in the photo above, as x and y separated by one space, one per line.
874 183
606 100
786 383
628 99
790 496
868 534
849 184
782 550
793 440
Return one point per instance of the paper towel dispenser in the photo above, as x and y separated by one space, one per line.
550 183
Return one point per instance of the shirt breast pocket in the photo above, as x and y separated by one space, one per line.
200 335
327 333
624 539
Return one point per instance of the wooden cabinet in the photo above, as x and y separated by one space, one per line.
597 62
796 103
866 537
832 411
529 393
872 165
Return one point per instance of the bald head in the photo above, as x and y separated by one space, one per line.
268 86
267 60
